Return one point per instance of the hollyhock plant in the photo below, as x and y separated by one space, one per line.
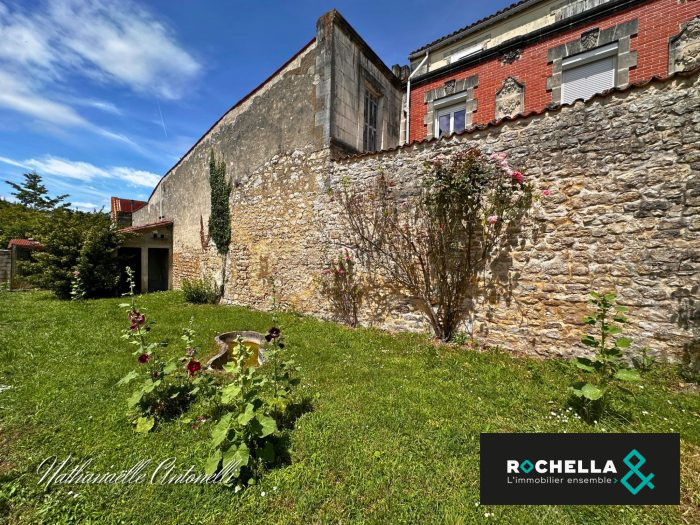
342 287
193 367
165 388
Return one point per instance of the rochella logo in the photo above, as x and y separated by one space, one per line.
559 466
573 466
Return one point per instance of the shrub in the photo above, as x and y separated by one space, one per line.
606 369
433 248
72 241
251 410
167 386
199 291
98 263
341 285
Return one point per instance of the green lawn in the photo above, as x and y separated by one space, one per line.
393 436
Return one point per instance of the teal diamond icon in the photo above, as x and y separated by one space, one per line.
528 468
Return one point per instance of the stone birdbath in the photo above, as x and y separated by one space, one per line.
227 341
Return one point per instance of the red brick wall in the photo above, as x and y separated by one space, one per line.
658 21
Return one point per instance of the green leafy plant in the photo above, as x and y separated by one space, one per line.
165 387
251 410
245 419
644 361
606 368
220 217
199 291
341 285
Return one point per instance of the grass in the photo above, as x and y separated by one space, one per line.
393 436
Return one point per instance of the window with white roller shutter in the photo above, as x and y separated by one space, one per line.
588 73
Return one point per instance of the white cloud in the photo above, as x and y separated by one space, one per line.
45 48
109 40
85 206
137 177
85 171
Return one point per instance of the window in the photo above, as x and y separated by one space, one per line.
588 73
465 52
450 119
369 134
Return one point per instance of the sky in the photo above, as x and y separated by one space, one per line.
102 97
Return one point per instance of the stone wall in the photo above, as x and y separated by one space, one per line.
312 103
5 267
622 215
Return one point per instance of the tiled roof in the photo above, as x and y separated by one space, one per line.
126 205
25 243
148 226
551 107
473 25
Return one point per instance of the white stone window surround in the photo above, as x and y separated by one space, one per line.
570 91
464 87
449 106
589 40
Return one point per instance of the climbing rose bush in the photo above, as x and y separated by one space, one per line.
432 249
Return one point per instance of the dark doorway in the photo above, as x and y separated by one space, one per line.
130 257
157 269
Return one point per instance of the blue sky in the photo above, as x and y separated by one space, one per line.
103 97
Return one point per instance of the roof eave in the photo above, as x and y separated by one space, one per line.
474 28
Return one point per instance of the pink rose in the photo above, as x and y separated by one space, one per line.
492 219
499 157
545 193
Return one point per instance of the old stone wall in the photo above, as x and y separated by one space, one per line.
5 267
623 172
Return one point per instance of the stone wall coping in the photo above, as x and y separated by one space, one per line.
523 116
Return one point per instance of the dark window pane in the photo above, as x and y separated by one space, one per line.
459 120
444 125
369 134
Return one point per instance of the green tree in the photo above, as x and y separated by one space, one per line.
19 222
220 217
33 194
66 250
98 263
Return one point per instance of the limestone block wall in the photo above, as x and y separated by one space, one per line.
623 172
624 175
356 69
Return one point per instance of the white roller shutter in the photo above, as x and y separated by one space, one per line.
586 80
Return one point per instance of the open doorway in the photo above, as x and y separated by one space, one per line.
158 269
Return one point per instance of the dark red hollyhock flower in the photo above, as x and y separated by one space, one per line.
193 366
272 333
144 358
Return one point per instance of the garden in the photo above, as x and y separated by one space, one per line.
389 433
169 407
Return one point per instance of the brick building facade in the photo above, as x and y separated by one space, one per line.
642 39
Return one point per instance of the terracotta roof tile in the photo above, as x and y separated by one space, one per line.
147 226
126 205
25 243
